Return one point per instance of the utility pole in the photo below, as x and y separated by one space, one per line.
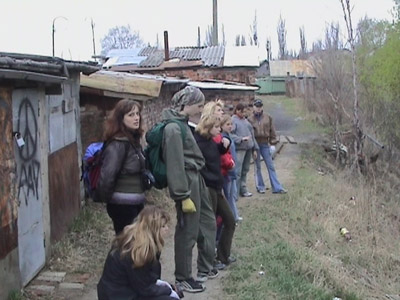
215 24
94 44
54 30
198 37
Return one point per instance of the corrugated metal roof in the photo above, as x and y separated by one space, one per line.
213 56
153 60
134 56
124 52
222 86
147 51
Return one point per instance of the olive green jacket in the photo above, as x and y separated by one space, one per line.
181 157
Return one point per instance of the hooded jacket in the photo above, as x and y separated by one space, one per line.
180 156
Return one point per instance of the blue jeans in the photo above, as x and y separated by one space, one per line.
230 191
273 178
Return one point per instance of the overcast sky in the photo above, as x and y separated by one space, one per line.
26 25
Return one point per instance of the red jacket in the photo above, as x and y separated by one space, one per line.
227 162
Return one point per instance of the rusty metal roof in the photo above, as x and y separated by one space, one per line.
213 56
210 56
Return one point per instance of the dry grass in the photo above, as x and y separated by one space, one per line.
297 238
84 248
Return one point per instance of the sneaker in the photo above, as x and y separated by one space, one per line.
190 285
231 259
202 277
219 265
247 194
261 191
283 191
239 219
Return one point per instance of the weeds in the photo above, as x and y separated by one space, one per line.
15 295
296 238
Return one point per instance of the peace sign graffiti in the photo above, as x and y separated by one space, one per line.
27 126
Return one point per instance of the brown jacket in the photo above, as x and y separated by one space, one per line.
264 130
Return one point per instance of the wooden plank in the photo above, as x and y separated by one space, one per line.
122 83
291 139
278 150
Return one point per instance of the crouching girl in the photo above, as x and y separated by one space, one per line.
132 269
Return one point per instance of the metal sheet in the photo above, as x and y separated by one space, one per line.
64 190
30 213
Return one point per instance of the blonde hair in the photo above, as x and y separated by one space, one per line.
210 107
142 240
206 124
225 119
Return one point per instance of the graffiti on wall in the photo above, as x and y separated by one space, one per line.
29 169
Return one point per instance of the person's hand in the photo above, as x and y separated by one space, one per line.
245 138
272 149
174 295
160 282
226 142
188 206
255 154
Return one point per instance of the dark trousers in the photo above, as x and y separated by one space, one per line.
223 209
122 214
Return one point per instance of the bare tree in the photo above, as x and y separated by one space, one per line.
357 131
237 40
157 42
243 41
223 35
303 44
253 31
120 37
332 38
198 37
281 30
334 89
209 36
268 48
317 46
240 40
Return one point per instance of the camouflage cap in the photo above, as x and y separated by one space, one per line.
188 96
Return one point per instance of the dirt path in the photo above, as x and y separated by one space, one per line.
285 162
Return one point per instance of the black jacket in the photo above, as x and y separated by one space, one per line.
121 281
211 151
121 169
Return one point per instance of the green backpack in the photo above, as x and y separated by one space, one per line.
154 154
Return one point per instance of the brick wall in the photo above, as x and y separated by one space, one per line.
236 74
95 108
